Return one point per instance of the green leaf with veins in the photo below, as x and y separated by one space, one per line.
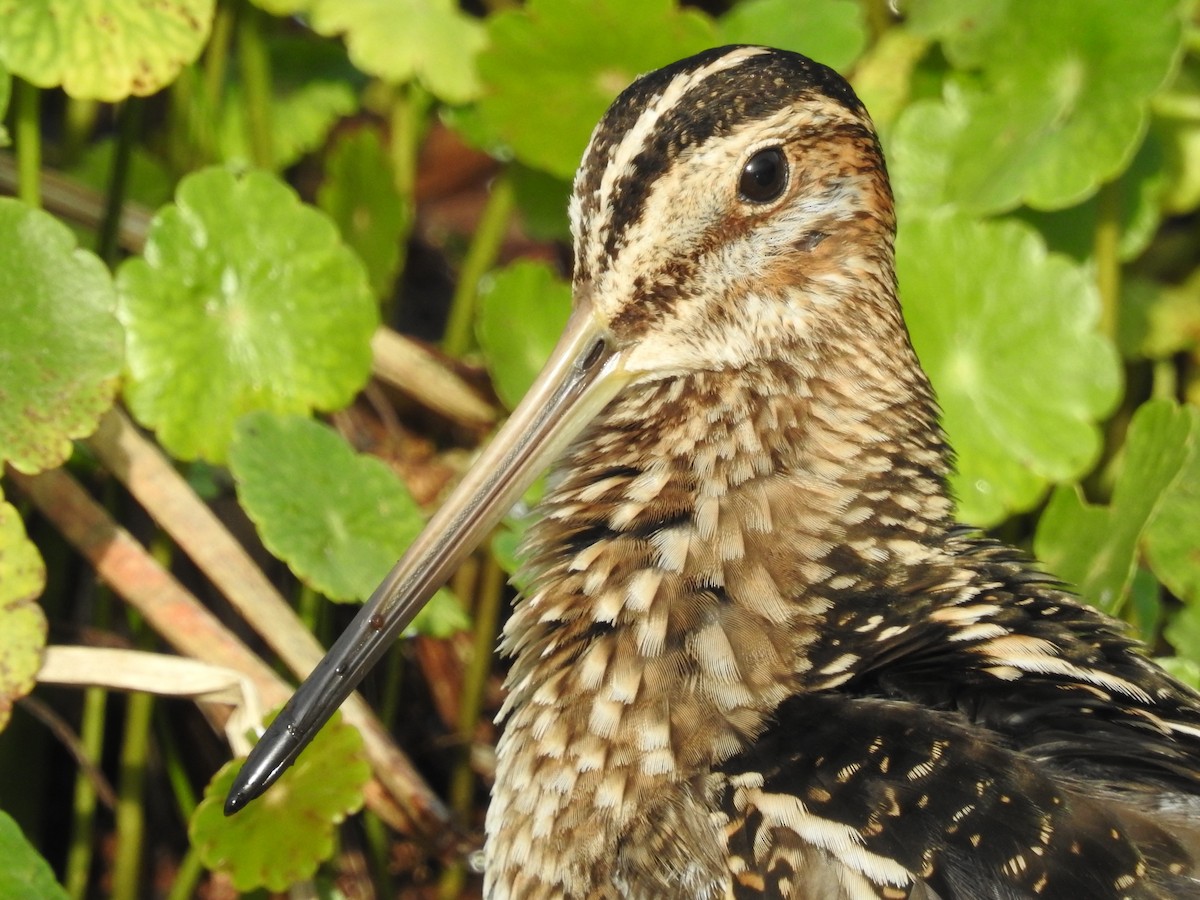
245 299
1139 194
103 51
22 622
1007 335
554 66
1056 102
61 344
340 520
431 41
830 31
283 836
1155 509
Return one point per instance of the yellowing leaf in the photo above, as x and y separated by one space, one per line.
102 49
22 622
283 836
61 343
399 40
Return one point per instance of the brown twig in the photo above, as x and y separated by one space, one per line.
172 611
418 372
66 735
139 464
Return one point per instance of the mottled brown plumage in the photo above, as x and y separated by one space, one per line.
758 657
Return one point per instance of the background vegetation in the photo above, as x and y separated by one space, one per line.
274 269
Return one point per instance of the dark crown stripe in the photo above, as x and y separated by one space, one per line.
751 89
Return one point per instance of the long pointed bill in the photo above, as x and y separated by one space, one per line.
582 375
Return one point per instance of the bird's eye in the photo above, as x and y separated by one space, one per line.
764 177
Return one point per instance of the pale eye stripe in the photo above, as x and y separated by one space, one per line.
635 140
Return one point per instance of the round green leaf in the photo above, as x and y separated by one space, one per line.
284 835
830 31
1007 335
340 520
61 344
399 40
245 299
25 875
1055 104
522 311
22 622
554 66
103 51
1097 547
359 194
1138 205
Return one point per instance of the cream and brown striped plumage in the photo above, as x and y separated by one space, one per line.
758 657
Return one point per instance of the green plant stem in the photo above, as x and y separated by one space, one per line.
470 705
481 256
255 66
408 112
878 15
131 823
91 741
29 141
83 812
1106 247
187 876
190 868
308 603
128 125
1165 383
196 97
216 58
177 776
406 127
183 139
377 853
392 684
79 122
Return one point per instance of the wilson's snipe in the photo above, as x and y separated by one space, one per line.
758 656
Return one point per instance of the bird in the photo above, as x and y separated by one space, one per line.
757 655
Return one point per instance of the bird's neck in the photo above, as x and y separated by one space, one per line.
683 562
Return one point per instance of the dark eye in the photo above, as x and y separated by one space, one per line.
764 177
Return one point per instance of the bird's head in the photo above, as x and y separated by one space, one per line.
729 207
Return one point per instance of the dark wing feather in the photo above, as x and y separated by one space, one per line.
968 818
